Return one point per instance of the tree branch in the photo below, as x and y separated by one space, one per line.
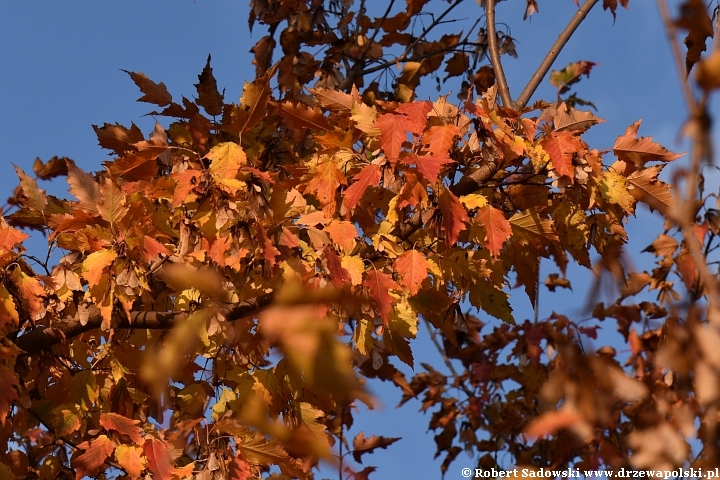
495 55
553 53
43 338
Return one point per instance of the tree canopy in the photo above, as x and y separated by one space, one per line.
230 280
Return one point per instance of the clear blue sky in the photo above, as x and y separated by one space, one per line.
61 73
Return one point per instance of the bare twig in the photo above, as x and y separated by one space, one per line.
677 55
495 55
552 54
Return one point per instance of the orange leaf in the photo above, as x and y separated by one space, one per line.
338 275
9 237
629 148
152 247
343 234
31 290
8 394
453 217
8 311
325 183
130 459
428 165
417 115
159 461
218 248
185 181
253 103
562 146
122 425
95 263
380 284
368 176
226 159
550 422
497 228
440 138
303 116
413 266
270 253
393 132
362 445
96 452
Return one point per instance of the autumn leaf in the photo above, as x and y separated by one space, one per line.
303 116
393 132
550 422
563 79
369 176
428 165
379 285
645 186
159 461
253 103
8 311
497 228
238 469
84 187
32 292
8 394
416 113
573 120
131 459
36 198
226 159
333 100
95 264
155 93
9 237
208 95
614 187
630 148
562 146
695 19
338 275
343 234
484 294
362 445
454 217
325 183
97 451
112 202
439 139
413 268
122 425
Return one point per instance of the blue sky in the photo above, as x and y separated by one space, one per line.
61 66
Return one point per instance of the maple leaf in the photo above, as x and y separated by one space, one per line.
497 228
54 167
343 234
333 100
325 183
612 5
573 120
208 95
614 187
9 237
630 148
185 181
379 285
393 132
130 458
562 147
428 165
253 103
97 451
303 116
338 275
270 253
362 445
695 19
416 113
8 311
112 205
238 469
550 422
36 198
8 394
118 138
454 217
646 187
83 187
32 292
440 138
122 425
563 79
368 176
95 264
159 461
226 159
484 294
413 268
152 247
155 93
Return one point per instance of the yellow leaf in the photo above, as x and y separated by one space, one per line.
614 188
355 267
95 263
474 200
226 159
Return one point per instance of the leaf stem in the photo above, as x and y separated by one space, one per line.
552 54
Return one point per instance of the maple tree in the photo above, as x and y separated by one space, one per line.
229 282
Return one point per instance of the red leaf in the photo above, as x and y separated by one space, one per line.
380 284
393 132
96 452
428 165
152 247
561 146
122 425
417 115
413 267
338 274
9 237
158 458
440 138
368 176
453 217
497 228
238 469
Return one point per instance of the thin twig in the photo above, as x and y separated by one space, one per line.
448 363
677 55
552 54
495 55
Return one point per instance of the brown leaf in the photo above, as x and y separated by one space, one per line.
96 452
573 120
122 425
54 167
630 148
155 93
612 5
362 445
8 394
695 19
84 187
253 103
550 422
208 95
